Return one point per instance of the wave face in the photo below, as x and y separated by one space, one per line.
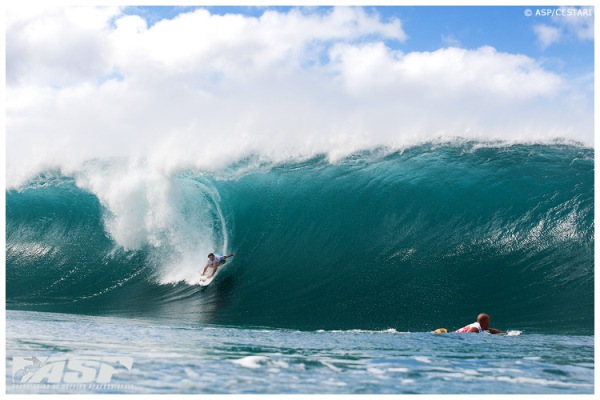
413 240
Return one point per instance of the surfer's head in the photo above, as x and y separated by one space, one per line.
211 256
484 321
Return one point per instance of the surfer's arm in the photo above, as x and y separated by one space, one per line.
231 255
494 331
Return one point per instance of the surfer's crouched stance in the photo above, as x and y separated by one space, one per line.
215 262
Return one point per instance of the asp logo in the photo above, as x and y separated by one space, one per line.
69 369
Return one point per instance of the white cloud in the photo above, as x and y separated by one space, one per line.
582 26
547 34
236 44
574 23
450 40
57 46
203 89
450 72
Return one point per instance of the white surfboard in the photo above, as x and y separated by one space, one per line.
205 280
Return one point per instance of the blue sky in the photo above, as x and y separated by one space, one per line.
506 28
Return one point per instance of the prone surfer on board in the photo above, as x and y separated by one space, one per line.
215 262
482 325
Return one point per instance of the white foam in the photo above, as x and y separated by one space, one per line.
423 359
404 370
178 219
251 361
538 381
330 366
255 362
389 330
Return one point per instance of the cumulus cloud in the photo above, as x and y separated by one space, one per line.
57 46
201 89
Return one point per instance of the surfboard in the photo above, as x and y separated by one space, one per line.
205 280
508 333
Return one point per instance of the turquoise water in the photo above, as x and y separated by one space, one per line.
334 262
192 358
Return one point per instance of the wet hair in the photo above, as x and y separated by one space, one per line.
483 319
211 254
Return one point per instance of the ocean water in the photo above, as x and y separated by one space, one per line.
192 358
341 271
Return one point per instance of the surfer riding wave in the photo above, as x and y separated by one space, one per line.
215 262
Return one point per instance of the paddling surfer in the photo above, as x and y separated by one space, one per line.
482 325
